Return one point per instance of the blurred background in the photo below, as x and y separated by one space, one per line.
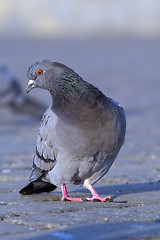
114 44
85 18
99 39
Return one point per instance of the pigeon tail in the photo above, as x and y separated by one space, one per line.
38 183
37 186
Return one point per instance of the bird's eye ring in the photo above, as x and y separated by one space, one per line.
40 72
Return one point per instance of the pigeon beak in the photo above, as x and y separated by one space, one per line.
30 86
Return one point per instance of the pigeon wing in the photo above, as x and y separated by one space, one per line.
44 159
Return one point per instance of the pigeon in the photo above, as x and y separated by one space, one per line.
12 95
80 134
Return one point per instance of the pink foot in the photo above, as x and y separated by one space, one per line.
65 196
70 199
99 199
95 197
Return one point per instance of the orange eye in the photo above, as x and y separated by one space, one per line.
40 72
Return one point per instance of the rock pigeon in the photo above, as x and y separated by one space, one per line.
80 134
12 95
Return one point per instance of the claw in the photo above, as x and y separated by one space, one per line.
95 197
70 199
99 199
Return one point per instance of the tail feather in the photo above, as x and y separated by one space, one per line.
39 182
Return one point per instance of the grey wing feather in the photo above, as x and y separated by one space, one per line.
44 160
45 157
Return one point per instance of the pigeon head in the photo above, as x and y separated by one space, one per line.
67 88
53 76
38 74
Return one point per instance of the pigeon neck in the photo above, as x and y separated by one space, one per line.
64 106
75 107
69 93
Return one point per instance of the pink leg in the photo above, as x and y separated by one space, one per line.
65 196
95 197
